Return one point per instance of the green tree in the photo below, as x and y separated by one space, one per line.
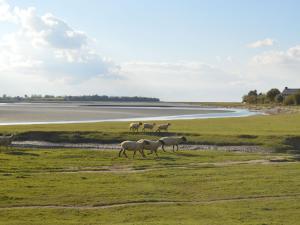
271 94
279 98
252 93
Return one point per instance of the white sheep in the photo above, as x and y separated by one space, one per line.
6 140
135 126
163 127
132 146
148 126
152 145
172 141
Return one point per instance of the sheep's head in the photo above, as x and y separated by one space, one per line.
169 124
161 142
183 139
140 123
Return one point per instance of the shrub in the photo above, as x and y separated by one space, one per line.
262 98
251 99
279 98
289 100
271 94
297 98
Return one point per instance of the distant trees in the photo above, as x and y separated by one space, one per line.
251 97
272 96
49 98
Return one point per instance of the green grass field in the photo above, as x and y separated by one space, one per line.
79 186
280 132
73 186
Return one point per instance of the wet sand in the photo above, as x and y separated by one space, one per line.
25 113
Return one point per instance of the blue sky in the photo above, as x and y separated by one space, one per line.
121 44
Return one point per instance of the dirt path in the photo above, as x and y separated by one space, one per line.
97 146
154 202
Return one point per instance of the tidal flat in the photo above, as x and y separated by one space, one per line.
43 113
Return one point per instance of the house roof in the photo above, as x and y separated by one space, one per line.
290 91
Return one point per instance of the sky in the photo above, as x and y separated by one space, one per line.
209 50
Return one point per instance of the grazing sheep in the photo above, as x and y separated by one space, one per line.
135 126
174 141
132 146
6 140
152 145
163 127
148 126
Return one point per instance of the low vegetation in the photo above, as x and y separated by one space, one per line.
72 186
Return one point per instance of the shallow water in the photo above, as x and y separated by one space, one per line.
59 113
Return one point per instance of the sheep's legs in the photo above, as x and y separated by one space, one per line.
163 148
120 152
134 154
142 153
177 147
156 153
173 147
124 153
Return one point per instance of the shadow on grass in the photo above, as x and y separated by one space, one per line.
296 157
187 154
294 142
167 158
21 153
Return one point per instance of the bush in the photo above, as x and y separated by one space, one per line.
297 98
289 100
272 94
251 99
279 98
262 99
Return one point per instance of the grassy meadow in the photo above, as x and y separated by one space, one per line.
80 186
73 186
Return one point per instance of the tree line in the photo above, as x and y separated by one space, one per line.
69 98
272 96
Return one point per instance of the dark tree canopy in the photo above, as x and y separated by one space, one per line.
271 94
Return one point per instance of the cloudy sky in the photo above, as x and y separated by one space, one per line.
176 50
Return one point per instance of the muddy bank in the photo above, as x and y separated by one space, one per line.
116 146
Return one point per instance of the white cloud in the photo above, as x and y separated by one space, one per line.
262 43
288 57
50 30
276 68
48 46
5 12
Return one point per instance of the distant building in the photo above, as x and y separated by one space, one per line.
289 91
